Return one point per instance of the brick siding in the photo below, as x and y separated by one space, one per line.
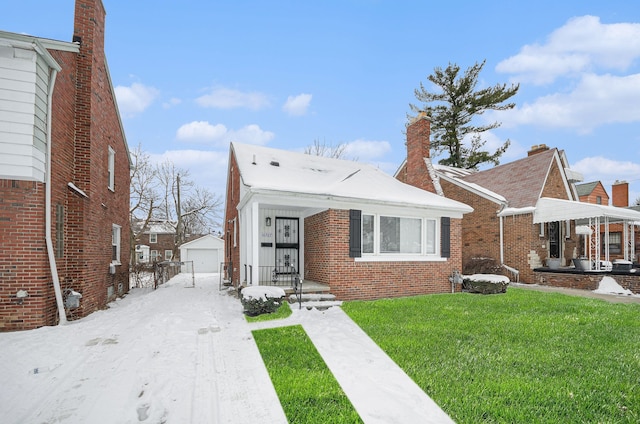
327 261
85 123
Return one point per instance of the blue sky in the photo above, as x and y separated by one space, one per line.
193 75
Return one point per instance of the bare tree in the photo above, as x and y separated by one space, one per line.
193 210
165 192
144 198
321 148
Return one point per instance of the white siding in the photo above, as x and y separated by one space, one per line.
24 80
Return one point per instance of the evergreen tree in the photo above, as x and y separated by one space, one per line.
453 110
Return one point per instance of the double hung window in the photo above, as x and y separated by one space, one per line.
394 235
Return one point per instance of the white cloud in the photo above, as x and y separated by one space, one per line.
203 131
297 105
207 168
366 150
596 100
172 102
135 99
582 44
607 171
226 98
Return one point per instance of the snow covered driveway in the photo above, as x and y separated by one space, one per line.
171 355
184 354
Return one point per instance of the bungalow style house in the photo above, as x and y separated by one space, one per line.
501 228
337 222
64 177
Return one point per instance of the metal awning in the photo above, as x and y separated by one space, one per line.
598 218
550 210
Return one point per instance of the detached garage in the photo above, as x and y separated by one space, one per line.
206 253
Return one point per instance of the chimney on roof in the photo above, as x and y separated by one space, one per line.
537 148
418 146
620 194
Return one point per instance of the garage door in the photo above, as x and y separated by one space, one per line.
204 260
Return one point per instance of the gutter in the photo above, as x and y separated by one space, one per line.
52 259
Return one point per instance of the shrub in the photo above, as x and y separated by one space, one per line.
258 300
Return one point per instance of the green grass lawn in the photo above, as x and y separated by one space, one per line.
519 357
308 391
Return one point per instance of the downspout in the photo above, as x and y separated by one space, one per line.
501 241
52 259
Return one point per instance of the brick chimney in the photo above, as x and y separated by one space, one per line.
88 31
537 148
418 145
620 194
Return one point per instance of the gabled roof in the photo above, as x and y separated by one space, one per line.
586 188
265 170
206 241
520 182
158 227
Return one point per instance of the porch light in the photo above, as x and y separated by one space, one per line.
267 221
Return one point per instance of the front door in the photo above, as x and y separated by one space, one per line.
554 239
287 245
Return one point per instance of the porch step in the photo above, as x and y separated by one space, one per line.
309 287
321 304
306 297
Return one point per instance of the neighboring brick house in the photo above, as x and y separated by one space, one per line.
341 223
64 176
593 192
500 228
156 242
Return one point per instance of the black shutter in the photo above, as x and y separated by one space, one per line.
355 233
445 237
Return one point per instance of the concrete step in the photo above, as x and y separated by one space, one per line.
312 296
320 304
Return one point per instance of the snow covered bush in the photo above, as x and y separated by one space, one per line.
259 300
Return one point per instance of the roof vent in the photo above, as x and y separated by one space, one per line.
274 163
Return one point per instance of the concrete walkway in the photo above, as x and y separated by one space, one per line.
377 387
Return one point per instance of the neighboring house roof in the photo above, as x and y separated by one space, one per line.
155 227
520 183
161 227
586 189
270 171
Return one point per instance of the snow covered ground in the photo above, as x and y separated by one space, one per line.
184 354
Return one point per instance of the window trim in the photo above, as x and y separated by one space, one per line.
377 256
116 240
170 252
155 238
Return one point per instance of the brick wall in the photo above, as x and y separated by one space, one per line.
523 249
587 280
327 261
84 124
231 249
